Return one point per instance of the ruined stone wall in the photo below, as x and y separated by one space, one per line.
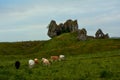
68 26
55 29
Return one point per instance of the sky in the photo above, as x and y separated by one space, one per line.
27 20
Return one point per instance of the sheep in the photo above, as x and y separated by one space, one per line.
45 61
54 58
36 61
17 64
31 63
61 57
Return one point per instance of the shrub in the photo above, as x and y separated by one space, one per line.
105 74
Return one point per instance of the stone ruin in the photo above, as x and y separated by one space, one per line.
68 26
72 26
53 29
82 34
100 35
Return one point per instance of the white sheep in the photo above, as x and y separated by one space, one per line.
45 61
31 63
61 57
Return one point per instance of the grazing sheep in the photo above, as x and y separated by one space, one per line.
31 63
36 61
45 61
61 57
54 58
17 64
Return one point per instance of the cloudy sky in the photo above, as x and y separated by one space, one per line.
24 20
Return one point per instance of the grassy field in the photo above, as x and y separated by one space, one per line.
98 66
97 59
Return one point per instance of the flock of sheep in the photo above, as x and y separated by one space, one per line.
44 61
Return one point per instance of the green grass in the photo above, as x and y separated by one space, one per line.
96 66
20 48
69 45
94 59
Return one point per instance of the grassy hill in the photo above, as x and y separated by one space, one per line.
93 59
64 44
20 48
69 45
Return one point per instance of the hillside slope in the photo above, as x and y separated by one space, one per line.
68 44
20 48
95 59
64 44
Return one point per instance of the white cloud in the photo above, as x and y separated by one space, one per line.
25 28
101 19
25 33
19 13
36 15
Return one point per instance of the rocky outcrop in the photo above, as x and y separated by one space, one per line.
82 34
100 35
68 26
